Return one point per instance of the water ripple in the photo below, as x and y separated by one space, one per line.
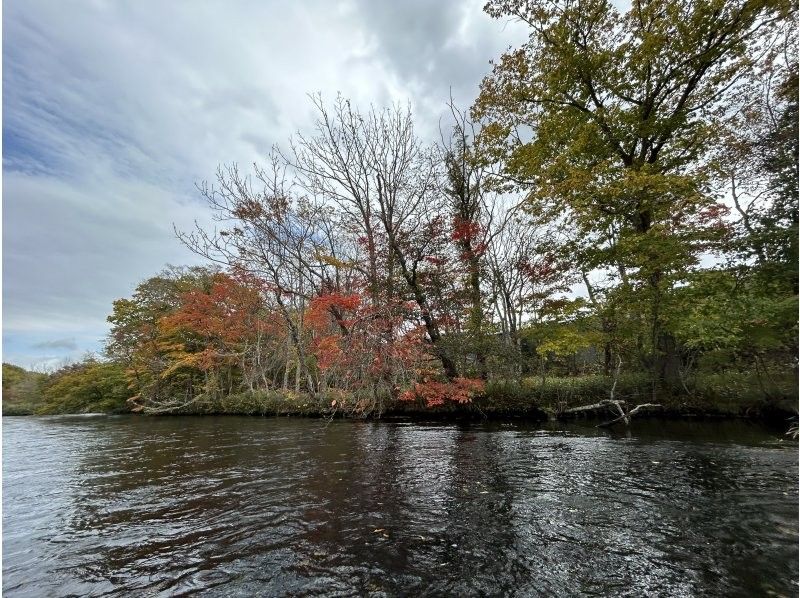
247 506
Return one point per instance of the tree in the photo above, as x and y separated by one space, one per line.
609 116
385 184
22 390
137 341
471 208
90 386
748 306
275 237
228 333
364 349
758 164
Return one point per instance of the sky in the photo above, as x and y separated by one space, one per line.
114 110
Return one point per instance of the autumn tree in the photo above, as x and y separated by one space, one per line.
354 237
22 390
384 181
366 350
229 333
274 235
137 341
609 116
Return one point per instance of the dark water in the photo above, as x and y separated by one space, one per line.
253 507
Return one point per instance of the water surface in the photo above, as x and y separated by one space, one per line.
232 506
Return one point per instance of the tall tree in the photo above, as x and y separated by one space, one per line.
609 115
137 341
467 202
384 181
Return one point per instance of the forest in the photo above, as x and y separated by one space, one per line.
614 217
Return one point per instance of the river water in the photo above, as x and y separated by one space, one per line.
230 506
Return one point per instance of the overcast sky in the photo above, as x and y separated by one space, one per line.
113 110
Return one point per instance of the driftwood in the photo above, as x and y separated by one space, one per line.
615 404
595 406
626 417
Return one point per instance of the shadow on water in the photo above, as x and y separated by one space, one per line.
248 506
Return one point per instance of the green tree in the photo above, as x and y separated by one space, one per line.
22 390
138 342
609 116
91 386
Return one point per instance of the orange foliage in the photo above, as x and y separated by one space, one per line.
324 307
459 390
224 320
360 345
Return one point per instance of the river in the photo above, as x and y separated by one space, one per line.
235 506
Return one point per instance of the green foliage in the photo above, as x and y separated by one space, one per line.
746 392
562 339
558 393
727 311
88 387
625 107
22 390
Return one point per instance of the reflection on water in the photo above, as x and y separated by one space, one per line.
248 506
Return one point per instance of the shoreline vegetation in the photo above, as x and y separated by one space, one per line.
719 397
615 218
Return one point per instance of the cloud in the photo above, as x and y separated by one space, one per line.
59 343
113 111
446 52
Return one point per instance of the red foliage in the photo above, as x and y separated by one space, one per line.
223 319
360 345
328 352
465 230
713 215
436 261
459 390
330 306
539 270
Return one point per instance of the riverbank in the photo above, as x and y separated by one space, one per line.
728 397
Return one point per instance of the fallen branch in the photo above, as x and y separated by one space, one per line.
605 403
615 404
169 407
627 416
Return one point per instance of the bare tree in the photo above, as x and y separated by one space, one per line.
276 236
384 180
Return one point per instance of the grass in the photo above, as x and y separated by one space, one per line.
273 402
726 394
330 403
